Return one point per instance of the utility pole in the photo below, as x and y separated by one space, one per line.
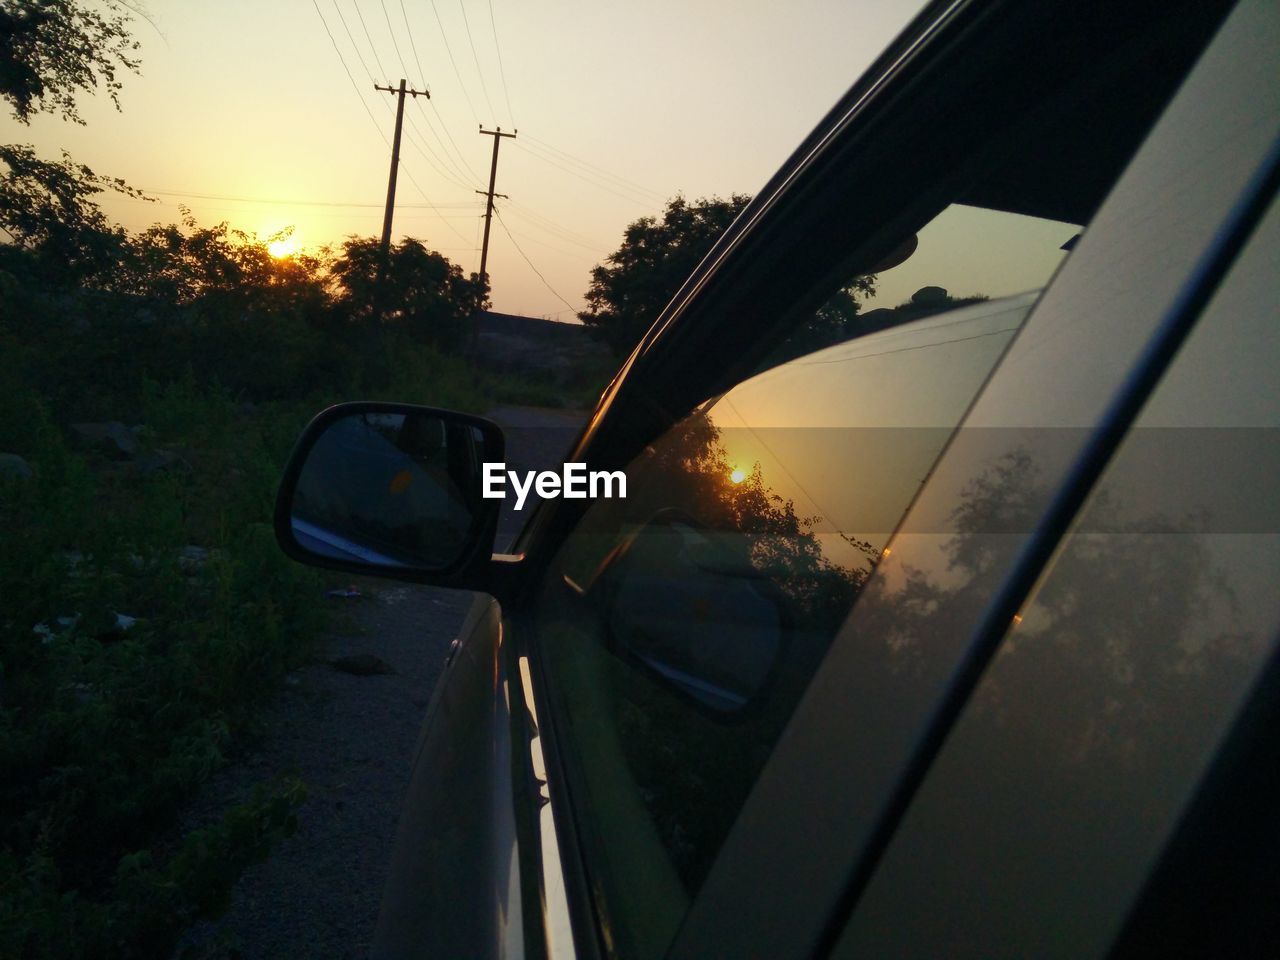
488 211
395 165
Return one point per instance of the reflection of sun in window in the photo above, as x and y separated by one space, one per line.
737 476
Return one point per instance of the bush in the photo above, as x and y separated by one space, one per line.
148 612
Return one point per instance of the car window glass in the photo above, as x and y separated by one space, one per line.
1119 676
683 623
965 254
678 628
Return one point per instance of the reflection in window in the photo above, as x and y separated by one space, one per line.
685 622
964 255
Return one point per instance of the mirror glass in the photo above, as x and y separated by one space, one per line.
390 489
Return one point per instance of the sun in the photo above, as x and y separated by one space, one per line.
737 476
283 248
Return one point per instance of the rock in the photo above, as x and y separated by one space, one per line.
156 461
60 625
112 438
362 665
12 465
930 297
191 558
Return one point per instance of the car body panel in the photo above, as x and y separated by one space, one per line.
454 887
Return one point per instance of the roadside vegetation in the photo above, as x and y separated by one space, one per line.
151 386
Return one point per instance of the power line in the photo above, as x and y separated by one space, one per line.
421 143
551 227
343 61
530 263
338 10
631 197
456 72
480 73
555 229
423 77
624 181
447 160
295 203
422 74
575 254
356 88
605 180
372 46
445 127
391 30
459 176
501 70
442 219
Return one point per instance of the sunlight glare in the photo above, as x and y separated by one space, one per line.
737 476
282 248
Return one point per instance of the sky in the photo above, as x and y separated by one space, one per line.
245 112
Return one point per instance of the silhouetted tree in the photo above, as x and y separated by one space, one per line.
424 295
221 270
636 281
52 50
47 209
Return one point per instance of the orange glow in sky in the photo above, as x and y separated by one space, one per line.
619 107
282 248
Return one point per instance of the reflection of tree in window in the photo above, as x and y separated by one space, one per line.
693 767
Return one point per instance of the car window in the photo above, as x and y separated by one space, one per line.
1117 681
683 623
679 628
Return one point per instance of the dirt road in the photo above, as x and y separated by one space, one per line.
349 737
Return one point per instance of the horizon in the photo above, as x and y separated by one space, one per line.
594 151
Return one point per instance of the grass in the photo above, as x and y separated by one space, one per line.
107 732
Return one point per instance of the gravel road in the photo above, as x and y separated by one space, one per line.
349 738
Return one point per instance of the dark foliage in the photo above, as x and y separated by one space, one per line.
53 50
637 280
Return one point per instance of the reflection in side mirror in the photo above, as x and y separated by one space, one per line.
392 488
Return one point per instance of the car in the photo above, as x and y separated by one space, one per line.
940 616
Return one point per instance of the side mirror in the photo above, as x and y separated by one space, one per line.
391 489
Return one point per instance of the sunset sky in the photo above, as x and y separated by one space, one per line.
245 112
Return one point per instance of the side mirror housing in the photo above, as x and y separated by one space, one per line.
392 490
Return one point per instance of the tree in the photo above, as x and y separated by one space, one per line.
52 50
47 208
424 295
637 280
